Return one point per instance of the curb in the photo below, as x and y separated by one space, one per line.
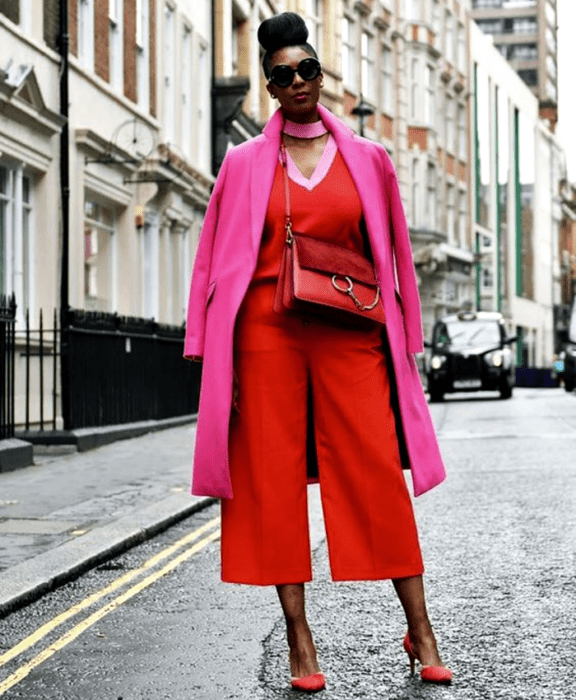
28 581
15 454
89 438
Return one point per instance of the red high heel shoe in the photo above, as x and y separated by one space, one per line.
309 684
430 674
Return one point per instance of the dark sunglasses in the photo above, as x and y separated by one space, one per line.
283 75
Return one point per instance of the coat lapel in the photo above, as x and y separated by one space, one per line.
367 179
263 169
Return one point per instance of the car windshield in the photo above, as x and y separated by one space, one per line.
473 333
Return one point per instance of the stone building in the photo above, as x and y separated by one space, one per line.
525 33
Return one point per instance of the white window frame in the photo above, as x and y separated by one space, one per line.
450 144
462 132
203 106
429 95
186 89
315 14
387 79
451 212
110 229
462 217
143 54
17 256
414 89
169 72
349 62
368 66
415 192
86 34
431 182
116 44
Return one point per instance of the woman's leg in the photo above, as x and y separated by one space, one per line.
411 593
303 660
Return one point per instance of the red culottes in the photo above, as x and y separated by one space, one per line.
368 513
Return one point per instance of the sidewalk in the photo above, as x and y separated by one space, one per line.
69 512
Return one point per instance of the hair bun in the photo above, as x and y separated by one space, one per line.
285 29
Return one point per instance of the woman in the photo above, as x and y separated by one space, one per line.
260 366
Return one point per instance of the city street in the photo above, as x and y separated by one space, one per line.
498 538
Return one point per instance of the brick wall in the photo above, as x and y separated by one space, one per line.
152 49
51 23
73 26
101 39
130 49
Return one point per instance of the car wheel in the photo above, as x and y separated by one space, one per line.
436 394
569 382
505 390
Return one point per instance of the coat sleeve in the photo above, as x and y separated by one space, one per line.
200 285
404 263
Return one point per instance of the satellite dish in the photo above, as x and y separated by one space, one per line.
136 138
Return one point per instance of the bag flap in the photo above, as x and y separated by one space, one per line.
314 254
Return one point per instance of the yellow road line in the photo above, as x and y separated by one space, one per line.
76 631
41 632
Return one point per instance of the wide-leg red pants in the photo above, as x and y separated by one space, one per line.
368 513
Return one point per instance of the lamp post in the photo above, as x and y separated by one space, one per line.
362 110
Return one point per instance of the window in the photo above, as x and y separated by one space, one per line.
415 192
99 257
413 10
462 132
116 49
529 76
349 53
386 73
461 48
169 70
521 25
450 38
462 218
202 101
431 196
429 106
368 66
450 131
11 10
450 217
142 55
316 24
86 33
491 26
437 20
187 116
16 235
414 89
483 176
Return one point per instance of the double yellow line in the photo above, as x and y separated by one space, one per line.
212 527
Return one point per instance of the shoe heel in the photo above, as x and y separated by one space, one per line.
408 650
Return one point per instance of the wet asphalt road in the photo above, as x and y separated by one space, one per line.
499 540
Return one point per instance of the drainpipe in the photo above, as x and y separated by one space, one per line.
64 46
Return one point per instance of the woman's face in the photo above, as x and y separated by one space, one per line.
298 101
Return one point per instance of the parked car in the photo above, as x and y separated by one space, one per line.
470 352
569 352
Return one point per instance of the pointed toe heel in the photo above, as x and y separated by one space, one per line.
309 684
429 674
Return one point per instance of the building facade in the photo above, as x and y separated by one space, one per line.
519 168
525 33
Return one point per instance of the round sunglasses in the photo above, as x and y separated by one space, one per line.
283 76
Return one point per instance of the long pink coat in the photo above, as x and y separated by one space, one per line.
224 265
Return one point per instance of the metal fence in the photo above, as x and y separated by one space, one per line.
118 369
7 348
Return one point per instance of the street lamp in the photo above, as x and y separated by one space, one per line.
362 110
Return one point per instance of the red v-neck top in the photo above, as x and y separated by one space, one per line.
330 211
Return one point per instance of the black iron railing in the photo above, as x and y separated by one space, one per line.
7 344
120 369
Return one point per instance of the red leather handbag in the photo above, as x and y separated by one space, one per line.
324 280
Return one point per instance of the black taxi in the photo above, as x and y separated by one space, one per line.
470 352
